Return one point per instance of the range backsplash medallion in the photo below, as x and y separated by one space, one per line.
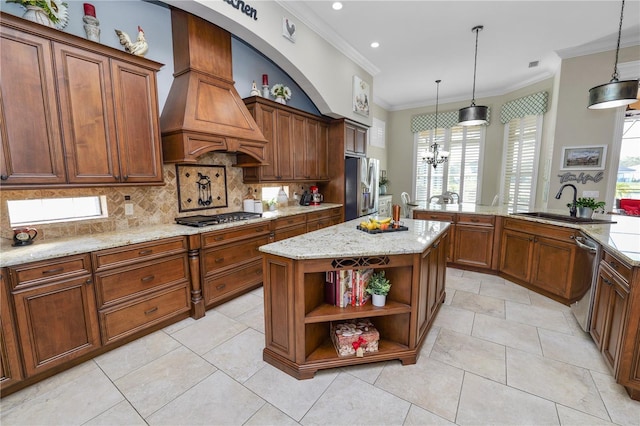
152 205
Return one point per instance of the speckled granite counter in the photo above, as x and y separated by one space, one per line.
622 237
345 240
59 247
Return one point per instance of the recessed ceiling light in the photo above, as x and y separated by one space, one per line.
336 5
375 44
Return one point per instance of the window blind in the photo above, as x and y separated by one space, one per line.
520 162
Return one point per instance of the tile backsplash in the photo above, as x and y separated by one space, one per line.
152 205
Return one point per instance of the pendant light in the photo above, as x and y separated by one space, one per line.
435 157
474 115
615 93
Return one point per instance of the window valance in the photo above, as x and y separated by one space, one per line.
535 104
424 122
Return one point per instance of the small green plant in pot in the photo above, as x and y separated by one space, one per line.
383 185
587 206
378 287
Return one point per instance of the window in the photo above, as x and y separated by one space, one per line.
461 173
628 180
53 210
520 162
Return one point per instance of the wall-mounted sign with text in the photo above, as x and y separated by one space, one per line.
243 7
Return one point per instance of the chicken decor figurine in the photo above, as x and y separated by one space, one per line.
138 47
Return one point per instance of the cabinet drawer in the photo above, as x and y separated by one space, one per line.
41 272
121 256
621 268
541 230
229 255
284 222
117 284
128 318
211 239
442 217
476 219
221 285
292 231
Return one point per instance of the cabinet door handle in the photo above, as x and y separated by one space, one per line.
88 281
606 281
614 265
221 286
219 260
218 238
436 245
145 252
259 229
126 177
148 278
52 271
4 177
259 272
150 311
475 220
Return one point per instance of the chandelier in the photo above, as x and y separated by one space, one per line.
435 157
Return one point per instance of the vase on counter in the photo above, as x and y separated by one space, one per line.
281 100
585 212
383 190
38 15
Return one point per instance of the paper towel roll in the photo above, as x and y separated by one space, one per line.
248 205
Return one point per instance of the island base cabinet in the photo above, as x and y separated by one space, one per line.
298 320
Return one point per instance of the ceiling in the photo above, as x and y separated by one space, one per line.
423 41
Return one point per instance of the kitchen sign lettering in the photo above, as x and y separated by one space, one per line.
244 8
581 178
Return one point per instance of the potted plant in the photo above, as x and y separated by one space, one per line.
383 185
378 287
587 206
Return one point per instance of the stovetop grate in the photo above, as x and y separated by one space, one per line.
216 219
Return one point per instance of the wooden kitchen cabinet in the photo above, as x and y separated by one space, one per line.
289 226
109 118
473 244
323 218
30 137
355 139
609 311
297 149
441 217
230 261
541 257
55 311
94 123
141 285
10 365
431 291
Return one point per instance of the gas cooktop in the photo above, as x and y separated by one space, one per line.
216 219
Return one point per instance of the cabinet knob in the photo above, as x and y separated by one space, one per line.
4 177
126 177
614 265
89 281
606 281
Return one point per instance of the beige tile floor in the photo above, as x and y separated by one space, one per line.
497 354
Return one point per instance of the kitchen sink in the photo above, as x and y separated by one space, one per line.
564 218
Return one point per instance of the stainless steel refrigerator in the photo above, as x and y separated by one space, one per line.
361 186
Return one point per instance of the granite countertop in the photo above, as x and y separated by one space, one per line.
622 238
345 240
59 247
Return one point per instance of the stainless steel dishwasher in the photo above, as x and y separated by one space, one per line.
586 266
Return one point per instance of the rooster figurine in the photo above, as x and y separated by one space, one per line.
139 47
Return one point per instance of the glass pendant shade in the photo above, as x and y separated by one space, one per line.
473 115
613 94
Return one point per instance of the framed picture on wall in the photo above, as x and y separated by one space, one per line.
583 157
361 96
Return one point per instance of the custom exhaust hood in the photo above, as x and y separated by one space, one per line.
203 111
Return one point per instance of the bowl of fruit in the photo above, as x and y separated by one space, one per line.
376 224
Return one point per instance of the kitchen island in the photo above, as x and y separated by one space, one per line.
298 320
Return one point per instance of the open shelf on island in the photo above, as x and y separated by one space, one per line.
327 312
326 352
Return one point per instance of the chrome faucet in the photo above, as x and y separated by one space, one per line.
572 207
